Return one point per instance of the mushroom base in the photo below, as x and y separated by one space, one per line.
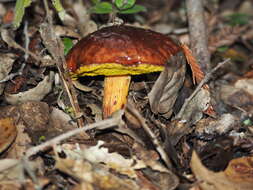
115 93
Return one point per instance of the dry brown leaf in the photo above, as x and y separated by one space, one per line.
6 62
237 176
10 169
8 133
93 175
220 125
238 95
240 171
225 37
165 90
194 110
99 154
197 74
35 94
21 144
91 166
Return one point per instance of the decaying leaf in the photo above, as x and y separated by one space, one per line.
96 111
91 164
35 94
239 95
225 37
8 133
237 176
240 171
6 62
219 126
98 154
11 169
165 90
21 144
93 176
193 112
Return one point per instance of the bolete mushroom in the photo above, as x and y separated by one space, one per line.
117 52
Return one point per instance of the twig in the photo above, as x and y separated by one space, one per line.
55 47
14 44
27 40
207 77
198 33
156 142
12 75
104 124
20 71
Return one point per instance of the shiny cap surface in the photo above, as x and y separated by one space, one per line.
135 50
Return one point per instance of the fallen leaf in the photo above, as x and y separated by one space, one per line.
193 111
6 62
163 95
35 94
237 176
8 133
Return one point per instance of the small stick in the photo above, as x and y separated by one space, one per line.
207 77
55 47
156 142
104 124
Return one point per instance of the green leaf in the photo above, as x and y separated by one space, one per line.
59 8
20 11
247 122
238 19
222 49
57 5
124 4
134 9
119 3
68 44
102 8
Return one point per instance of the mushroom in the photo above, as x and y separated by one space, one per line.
117 52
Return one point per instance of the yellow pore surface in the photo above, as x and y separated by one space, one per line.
112 69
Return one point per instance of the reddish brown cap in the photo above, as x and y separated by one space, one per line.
125 45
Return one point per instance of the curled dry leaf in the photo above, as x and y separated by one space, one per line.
239 95
64 31
96 111
35 94
10 169
8 133
93 176
6 62
216 126
89 165
165 90
22 142
237 176
85 24
225 37
193 112
99 154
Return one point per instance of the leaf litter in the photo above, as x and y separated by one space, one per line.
150 145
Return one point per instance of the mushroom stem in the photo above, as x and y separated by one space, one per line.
115 93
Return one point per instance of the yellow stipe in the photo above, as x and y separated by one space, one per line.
115 94
112 69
